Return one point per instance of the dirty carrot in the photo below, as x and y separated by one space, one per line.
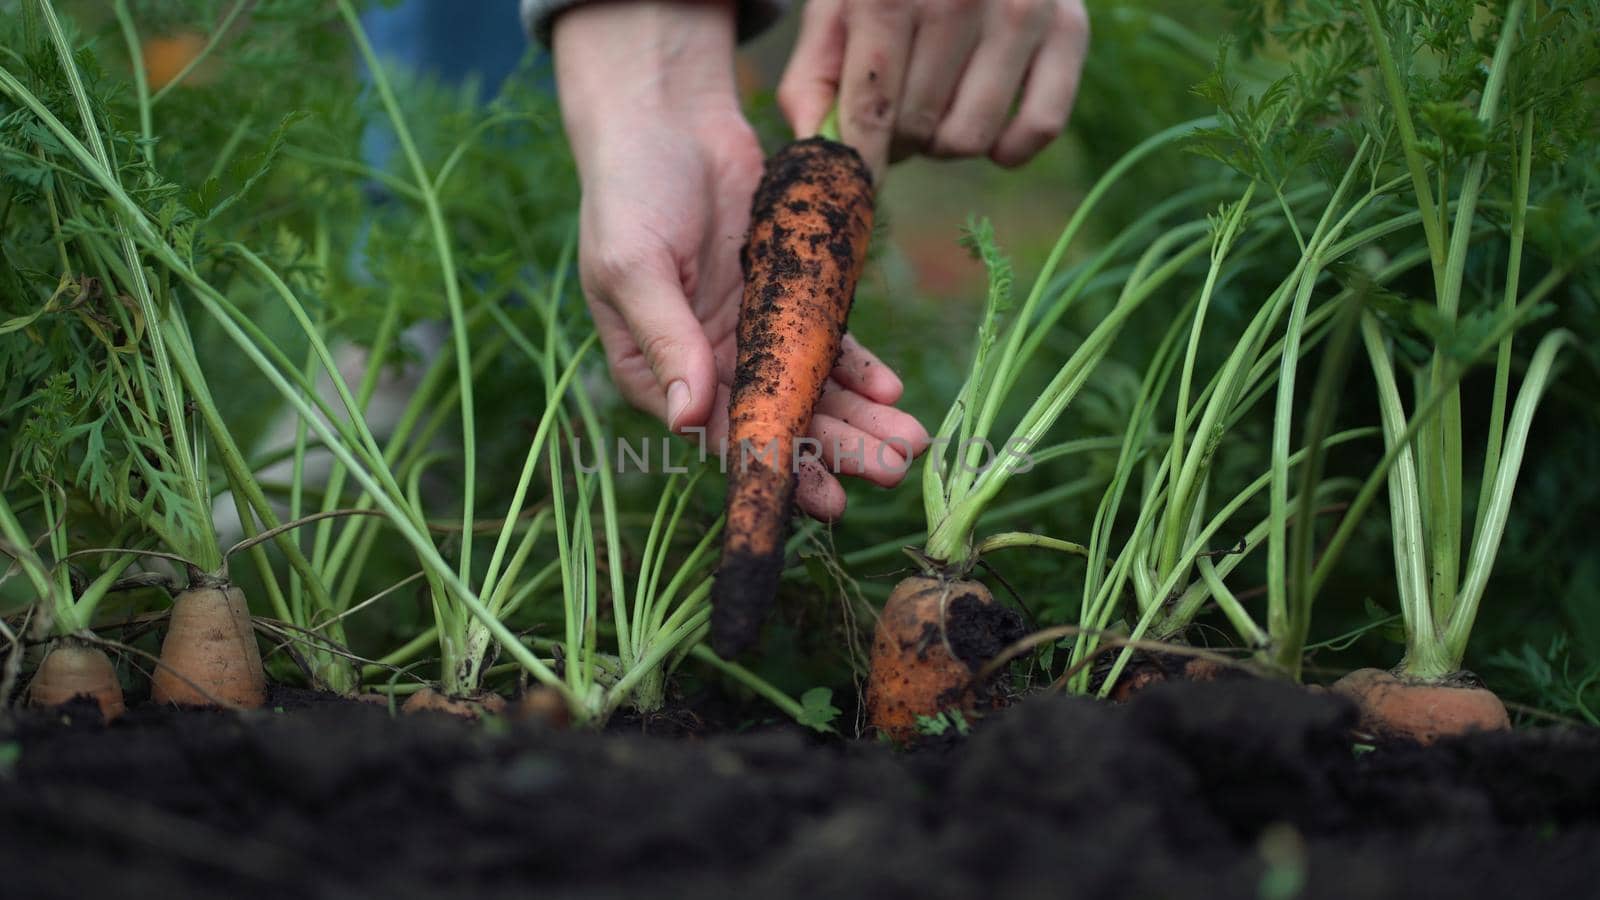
933 637
809 227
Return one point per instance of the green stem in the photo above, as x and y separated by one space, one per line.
1358 507
829 129
194 484
751 680
141 84
452 288
1014 539
1009 356
1415 163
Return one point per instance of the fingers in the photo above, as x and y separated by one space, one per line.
847 450
817 493
875 57
937 76
945 38
850 435
1013 30
860 370
1051 88
880 422
865 439
811 80
647 296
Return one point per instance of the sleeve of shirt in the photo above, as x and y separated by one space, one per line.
754 16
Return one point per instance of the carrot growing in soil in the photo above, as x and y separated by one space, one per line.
1168 557
941 627
209 656
74 664
809 228
153 413
1429 696
185 525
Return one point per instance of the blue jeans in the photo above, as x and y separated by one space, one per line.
451 41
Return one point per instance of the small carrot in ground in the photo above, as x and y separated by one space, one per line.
209 656
1423 711
74 669
1159 668
932 638
433 701
809 228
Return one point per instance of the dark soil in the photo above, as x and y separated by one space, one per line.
1231 789
978 631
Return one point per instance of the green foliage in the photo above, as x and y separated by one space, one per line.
817 711
943 723
85 377
1551 678
1443 96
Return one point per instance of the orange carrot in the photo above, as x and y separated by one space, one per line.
933 638
429 700
1422 711
209 657
809 228
73 669
1150 670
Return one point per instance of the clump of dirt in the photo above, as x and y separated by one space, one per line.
1232 789
1147 669
978 631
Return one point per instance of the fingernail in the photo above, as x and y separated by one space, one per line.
677 402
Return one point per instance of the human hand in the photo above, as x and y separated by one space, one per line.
937 77
668 165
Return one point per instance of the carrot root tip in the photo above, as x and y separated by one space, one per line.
745 589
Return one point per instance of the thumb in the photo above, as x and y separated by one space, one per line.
811 79
673 342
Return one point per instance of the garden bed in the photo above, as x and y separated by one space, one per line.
1238 788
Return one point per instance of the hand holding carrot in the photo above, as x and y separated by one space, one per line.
668 165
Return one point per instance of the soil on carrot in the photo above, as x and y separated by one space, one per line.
1229 789
978 631
809 225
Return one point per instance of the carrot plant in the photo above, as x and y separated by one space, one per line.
118 224
659 610
1169 559
1357 72
476 572
74 662
1477 138
973 457
149 424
